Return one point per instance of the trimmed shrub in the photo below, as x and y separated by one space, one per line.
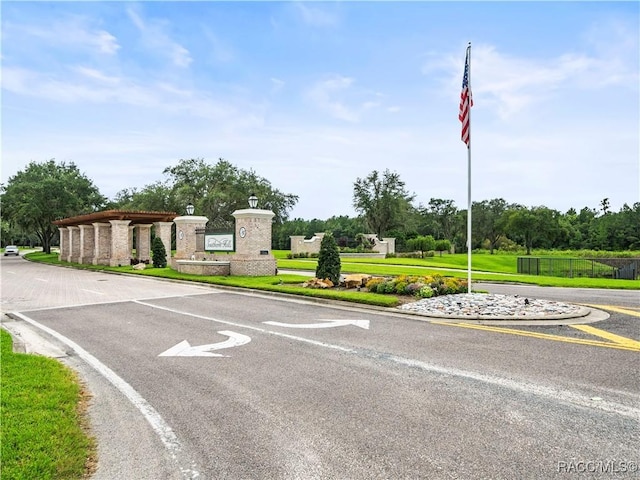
329 259
159 253
426 292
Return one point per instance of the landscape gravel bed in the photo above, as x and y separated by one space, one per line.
491 306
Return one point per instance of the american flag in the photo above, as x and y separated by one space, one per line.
466 101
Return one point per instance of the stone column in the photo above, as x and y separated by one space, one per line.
143 242
64 244
296 243
87 244
391 244
253 243
163 230
186 235
74 253
102 243
130 241
120 243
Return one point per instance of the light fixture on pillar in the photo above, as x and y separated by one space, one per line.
190 208
253 201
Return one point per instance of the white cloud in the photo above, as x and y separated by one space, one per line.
323 93
510 84
72 32
276 85
316 16
156 39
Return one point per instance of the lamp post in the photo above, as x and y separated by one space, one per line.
190 208
253 201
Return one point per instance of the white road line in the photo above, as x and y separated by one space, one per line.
91 291
162 429
256 329
41 279
548 392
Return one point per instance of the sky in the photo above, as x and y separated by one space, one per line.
315 95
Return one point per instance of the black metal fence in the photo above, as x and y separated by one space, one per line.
622 268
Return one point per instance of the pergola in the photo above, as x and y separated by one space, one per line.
106 238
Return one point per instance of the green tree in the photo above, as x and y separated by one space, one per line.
218 190
329 259
158 253
383 201
441 214
157 197
44 192
442 246
489 219
422 243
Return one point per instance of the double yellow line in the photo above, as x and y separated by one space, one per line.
614 341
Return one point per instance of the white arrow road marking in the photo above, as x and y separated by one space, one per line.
326 324
183 349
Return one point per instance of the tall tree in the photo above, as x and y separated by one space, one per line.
44 192
442 215
382 200
218 190
489 221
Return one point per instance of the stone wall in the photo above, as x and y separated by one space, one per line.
301 245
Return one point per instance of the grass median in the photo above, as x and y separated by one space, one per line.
42 416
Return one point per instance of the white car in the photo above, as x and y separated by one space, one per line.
11 250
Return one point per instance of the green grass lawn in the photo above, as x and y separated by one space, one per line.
42 435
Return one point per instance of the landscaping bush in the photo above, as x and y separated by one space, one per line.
329 259
426 292
417 286
159 253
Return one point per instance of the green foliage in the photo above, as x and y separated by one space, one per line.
41 435
44 192
442 246
158 253
329 259
418 286
422 244
383 201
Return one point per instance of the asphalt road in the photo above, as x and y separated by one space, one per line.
273 388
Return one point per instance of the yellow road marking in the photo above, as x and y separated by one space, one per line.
608 335
617 309
627 345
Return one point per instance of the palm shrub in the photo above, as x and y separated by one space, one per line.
159 253
329 259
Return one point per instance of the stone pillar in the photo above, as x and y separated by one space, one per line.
391 244
296 243
130 240
74 252
120 243
64 244
253 243
87 244
143 242
163 230
186 235
102 243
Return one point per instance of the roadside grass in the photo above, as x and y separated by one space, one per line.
372 266
283 283
378 267
42 434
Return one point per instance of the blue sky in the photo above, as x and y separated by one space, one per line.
313 95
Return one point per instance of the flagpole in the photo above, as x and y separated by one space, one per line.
469 179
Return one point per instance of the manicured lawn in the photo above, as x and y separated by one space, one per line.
42 435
